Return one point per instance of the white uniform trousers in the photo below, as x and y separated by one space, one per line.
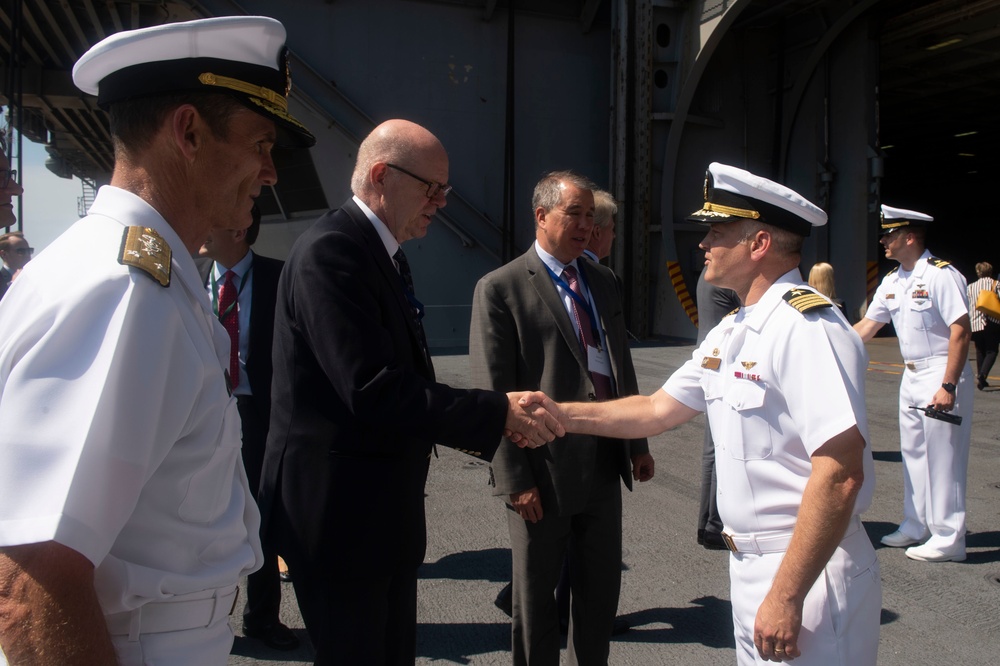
841 612
935 460
162 634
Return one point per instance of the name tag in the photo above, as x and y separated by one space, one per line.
598 361
711 363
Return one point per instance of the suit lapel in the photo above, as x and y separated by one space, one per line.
605 298
388 269
543 285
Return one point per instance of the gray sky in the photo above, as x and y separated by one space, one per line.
49 202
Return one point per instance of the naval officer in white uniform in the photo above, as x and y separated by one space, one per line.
782 382
125 516
925 298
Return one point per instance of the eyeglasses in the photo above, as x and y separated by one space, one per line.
24 250
433 188
7 175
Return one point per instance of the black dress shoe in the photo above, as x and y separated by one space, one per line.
276 636
505 600
620 627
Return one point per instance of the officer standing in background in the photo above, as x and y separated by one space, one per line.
125 512
925 298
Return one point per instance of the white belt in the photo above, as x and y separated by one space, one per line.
924 363
158 617
772 542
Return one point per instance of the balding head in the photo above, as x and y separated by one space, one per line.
401 174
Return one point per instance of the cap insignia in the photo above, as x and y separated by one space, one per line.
806 300
145 249
256 92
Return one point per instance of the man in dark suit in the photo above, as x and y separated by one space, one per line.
248 316
553 321
357 412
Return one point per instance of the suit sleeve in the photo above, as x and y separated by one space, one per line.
493 360
347 313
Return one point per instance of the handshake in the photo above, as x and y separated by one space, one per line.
533 419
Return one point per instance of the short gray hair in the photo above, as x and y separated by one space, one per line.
547 193
605 208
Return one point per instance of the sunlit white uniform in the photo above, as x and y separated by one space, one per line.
777 384
120 439
922 304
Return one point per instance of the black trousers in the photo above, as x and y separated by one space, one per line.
987 341
264 586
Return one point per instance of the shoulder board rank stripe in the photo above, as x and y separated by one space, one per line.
804 300
146 250
896 268
733 312
938 263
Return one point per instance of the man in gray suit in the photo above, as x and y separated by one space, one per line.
553 321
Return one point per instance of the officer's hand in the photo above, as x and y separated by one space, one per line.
528 504
776 629
943 401
532 419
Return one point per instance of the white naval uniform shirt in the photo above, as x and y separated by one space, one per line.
120 440
922 304
785 384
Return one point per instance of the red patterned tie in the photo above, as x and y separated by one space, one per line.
602 383
229 316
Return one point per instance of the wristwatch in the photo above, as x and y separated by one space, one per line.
949 387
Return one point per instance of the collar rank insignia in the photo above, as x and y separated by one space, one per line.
146 250
938 263
806 300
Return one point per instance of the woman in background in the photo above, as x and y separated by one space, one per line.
985 330
821 279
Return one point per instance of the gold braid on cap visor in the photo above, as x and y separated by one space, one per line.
278 100
895 225
729 210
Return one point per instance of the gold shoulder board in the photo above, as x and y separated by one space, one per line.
806 300
938 263
732 313
146 250
895 268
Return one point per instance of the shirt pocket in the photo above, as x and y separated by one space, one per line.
748 434
924 314
210 489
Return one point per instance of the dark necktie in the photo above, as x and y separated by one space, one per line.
416 306
229 316
602 383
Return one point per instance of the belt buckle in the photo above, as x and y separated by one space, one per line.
911 366
728 540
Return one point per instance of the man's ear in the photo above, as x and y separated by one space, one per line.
377 176
188 130
540 217
760 244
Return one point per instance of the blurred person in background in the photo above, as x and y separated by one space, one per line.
821 279
985 329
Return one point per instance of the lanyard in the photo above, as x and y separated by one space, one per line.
215 294
582 277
